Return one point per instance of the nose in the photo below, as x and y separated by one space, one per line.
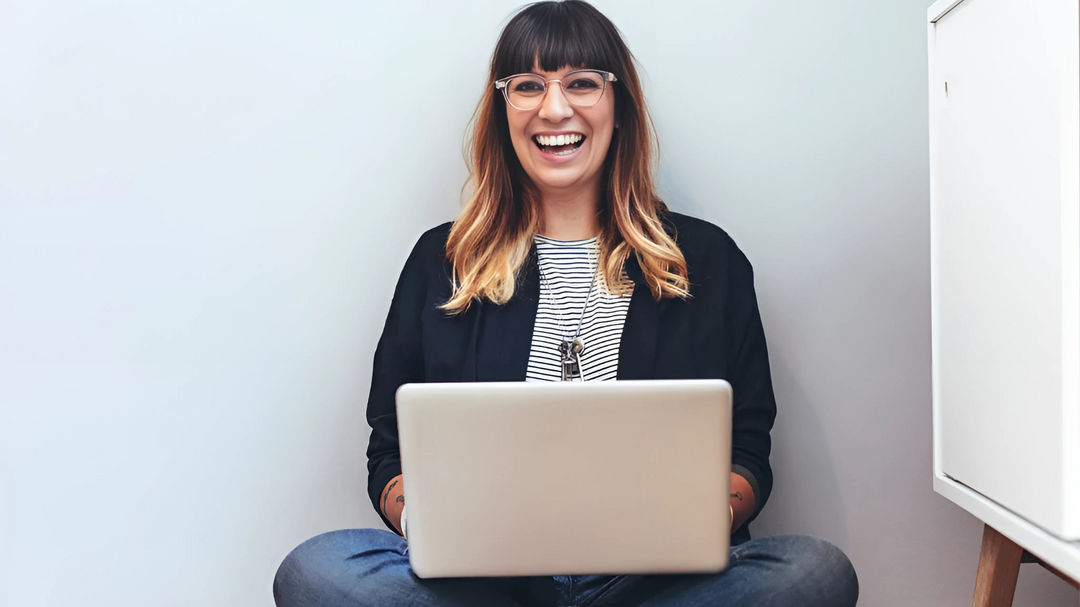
555 107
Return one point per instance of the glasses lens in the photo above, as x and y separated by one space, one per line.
583 88
525 92
580 88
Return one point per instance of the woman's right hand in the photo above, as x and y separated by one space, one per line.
393 501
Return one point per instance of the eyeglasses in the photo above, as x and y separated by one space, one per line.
581 88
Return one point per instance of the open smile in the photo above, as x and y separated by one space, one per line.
559 145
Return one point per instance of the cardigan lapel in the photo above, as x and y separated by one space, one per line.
504 334
637 347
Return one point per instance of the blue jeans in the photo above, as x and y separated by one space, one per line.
370 568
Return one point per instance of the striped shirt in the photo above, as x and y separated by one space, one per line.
567 269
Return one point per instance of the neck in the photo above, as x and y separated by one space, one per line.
570 215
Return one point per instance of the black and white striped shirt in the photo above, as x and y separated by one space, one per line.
567 271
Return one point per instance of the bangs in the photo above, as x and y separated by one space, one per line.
558 35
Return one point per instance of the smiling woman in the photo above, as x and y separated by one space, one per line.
563 70
565 265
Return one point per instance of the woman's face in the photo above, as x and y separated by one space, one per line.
554 168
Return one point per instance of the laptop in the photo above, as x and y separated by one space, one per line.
566 478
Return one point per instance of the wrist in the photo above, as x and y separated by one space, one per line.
393 500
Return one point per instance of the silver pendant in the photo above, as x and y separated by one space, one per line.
569 354
577 346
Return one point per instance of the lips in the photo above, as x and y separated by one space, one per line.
559 145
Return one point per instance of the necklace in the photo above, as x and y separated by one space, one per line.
570 348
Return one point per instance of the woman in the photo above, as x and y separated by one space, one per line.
565 265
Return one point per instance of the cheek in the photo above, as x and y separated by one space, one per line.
517 131
602 143
603 124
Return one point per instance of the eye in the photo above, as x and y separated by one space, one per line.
583 84
528 86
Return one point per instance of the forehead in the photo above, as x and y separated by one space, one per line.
558 73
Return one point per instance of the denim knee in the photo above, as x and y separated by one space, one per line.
308 573
826 569
300 570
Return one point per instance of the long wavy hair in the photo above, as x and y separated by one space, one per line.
492 237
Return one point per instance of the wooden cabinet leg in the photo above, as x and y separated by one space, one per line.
999 565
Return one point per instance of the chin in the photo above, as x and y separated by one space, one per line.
558 180
558 183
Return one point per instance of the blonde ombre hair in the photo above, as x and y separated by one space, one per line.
491 240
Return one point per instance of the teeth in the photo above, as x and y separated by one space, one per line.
558 139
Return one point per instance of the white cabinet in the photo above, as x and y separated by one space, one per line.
1005 257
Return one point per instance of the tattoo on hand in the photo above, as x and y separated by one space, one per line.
387 495
738 495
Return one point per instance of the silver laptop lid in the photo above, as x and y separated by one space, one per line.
569 478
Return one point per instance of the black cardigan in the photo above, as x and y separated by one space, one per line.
716 333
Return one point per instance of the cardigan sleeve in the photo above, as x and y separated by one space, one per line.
399 359
754 407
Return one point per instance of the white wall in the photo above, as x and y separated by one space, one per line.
204 205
